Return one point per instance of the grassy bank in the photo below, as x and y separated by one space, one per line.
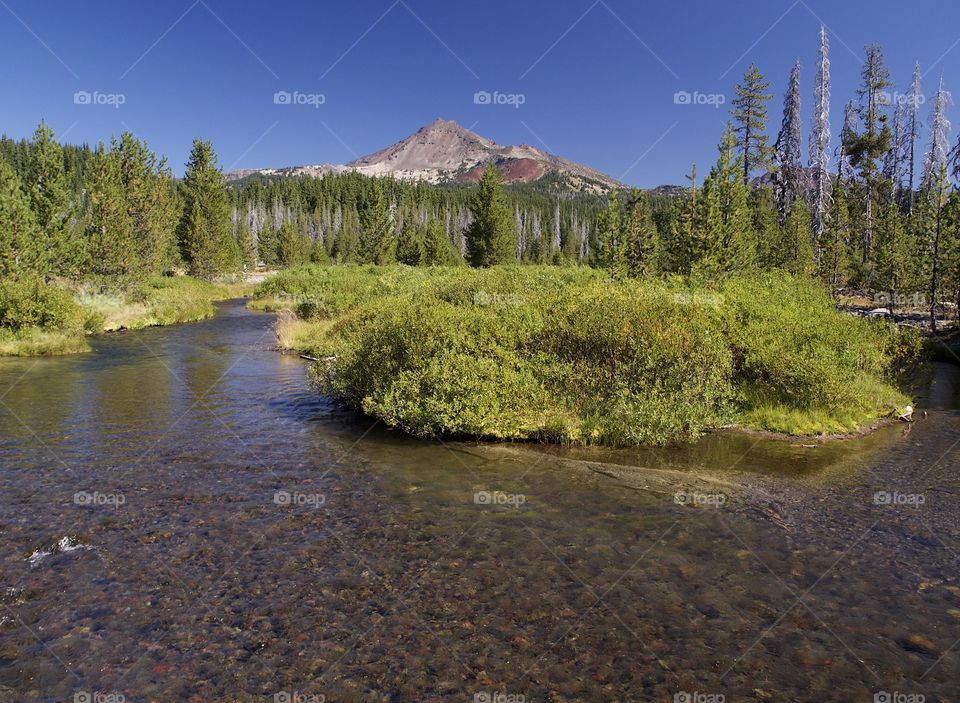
166 300
571 355
37 318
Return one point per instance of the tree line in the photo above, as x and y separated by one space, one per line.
877 208
113 214
351 218
879 211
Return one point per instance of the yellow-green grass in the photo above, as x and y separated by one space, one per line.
33 341
572 355
37 318
165 300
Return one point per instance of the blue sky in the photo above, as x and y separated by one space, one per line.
596 78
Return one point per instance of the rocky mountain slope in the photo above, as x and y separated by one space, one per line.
444 152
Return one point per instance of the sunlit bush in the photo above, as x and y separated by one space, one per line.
28 301
570 354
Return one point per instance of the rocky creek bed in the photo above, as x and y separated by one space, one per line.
237 538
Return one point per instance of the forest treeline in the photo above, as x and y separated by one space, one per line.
876 208
872 205
113 215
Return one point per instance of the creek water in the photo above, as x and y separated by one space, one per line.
184 519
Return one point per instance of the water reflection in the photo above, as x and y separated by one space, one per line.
402 584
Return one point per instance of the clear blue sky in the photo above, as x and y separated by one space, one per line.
597 78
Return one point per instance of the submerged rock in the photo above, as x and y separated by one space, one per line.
918 643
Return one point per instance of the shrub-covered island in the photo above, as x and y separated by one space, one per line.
576 355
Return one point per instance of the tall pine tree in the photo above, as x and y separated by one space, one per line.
205 231
750 117
872 142
725 241
57 251
18 229
377 243
491 238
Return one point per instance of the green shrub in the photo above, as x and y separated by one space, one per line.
788 338
30 302
570 354
431 368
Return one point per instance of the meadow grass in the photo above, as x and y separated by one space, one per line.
163 300
573 355
39 318
33 341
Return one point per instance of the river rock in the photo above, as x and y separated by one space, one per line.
918 643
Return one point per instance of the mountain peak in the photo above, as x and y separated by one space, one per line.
444 150
442 144
441 126
440 122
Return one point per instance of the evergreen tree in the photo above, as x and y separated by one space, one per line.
636 255
833 246
869 145
436 247
205 231
57 250
890 271
725 233
293 246
112 248
767 229
267 246
318 252
609 232
797 245
951 250
936 196
150 200
491 238
678 240
377 244
750 117
410 244
247 246
18 229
